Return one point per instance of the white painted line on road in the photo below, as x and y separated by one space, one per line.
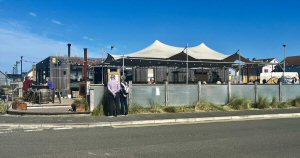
63 128
33 130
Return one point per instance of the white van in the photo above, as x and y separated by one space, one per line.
273 77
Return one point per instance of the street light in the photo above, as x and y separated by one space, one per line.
284 52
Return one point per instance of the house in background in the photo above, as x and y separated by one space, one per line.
15 77
4 79
292 64
260 66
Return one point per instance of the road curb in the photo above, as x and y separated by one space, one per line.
152 122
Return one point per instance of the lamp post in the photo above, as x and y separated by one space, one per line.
284 52
21 67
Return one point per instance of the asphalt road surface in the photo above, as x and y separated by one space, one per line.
247 139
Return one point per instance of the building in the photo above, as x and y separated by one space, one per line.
252 73
4 79
292 64
66 73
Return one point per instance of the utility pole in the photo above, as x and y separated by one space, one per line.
21 67
17 63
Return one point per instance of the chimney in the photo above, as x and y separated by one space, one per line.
69 50
85 65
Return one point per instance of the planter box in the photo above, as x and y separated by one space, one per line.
80 108
17 105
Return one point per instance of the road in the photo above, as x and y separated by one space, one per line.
246 139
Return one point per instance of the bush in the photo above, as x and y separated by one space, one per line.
98 111
239 103
296 102
263 103
137 109
156 109
3 107
206 106
170 109
284 105
274 103
78 102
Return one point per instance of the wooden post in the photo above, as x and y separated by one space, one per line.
280 91
130 93
92 99
256 92
229 91
166 94
199 92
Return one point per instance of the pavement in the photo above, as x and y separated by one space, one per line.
88 121
50 108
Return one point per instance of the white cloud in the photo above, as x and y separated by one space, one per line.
56 22
15 44
87 38
32 14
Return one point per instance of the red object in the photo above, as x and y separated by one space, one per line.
27 84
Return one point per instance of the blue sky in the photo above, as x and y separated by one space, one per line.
39 28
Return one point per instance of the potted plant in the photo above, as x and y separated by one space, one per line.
79 105
19 104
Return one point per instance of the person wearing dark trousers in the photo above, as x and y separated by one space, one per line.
123 96
113 87
50 84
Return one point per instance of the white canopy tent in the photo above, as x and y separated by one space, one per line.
159 50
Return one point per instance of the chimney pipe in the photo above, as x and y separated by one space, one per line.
85 65
69 50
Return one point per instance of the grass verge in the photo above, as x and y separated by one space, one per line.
239 103
234 104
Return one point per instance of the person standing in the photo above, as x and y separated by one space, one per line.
123 96
50 84
113 87
26 84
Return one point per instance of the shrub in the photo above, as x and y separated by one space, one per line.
187 108
3 107
136 109
263 103
78 102
296 102
239 103
170 109
156 109
206 106
98 111
274 103
284 105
